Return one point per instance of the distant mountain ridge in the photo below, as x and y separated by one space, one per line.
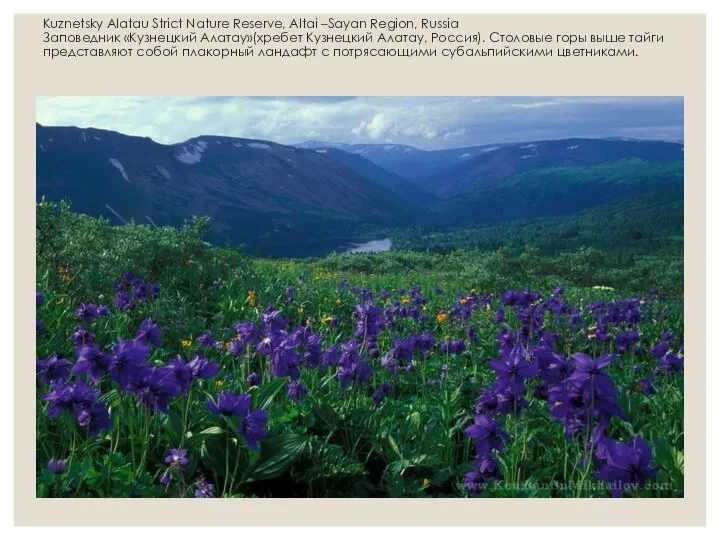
287 200
493 167
446 173
402 187
257 193
406 161
556 191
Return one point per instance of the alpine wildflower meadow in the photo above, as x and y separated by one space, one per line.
167 367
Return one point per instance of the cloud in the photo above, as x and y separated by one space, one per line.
425 122
377 126
535 104
456 134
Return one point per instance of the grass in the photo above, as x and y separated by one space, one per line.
338 442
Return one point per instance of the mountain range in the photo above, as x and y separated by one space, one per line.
316 196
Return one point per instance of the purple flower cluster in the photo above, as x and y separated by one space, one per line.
131 290
251 425
80 401
488 437
88 313
126 364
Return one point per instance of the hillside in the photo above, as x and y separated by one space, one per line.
393 182
492 167
407 161
256 193
646 224
558 191
280 200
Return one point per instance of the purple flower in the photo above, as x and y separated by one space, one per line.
424 342
96 418
103 311
87 312
149 332
487 435
247 333
559 401
628 465
202 368
381 393
228 404
659 350
368 321
589 372
82 337
512 371
254 379
273 321
183 374
626 340
72 398
205 340
672 363
253 428
52 369
91 362
290 294
492 402
204 490
123 301
488 467
39 299
156 388
474 482
296 392
176 460
399 355
454 347
129 362
285 361
57 466
646 387
177 457
499 316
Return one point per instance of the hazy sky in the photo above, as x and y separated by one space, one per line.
424 122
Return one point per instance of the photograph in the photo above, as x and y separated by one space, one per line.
359 296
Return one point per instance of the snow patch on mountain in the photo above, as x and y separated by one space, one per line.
116 163
260 146
572 147
115 213
163 171
192 153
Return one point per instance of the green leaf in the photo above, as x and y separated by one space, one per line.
264 395
220 453
395 447
195 439
277 455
